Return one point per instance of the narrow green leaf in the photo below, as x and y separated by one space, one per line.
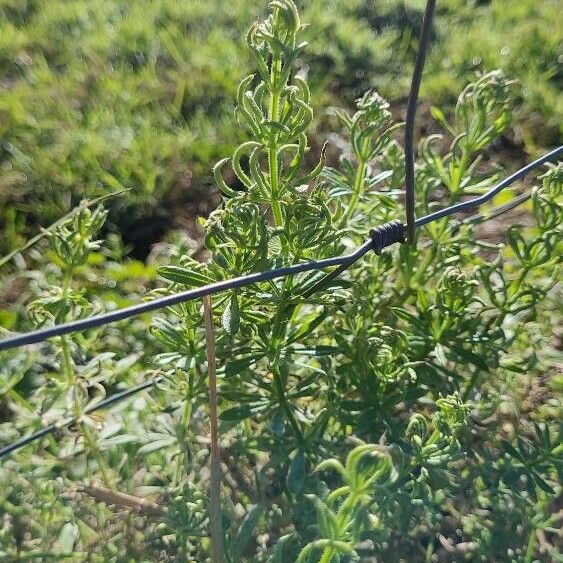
243 411
66 539
297 473
191 278
246 530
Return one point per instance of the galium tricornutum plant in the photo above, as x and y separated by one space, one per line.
279 216
72 244
398 358
369 132
275 108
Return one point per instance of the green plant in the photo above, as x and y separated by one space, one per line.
302 374
345 515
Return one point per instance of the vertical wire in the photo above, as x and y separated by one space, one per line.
411 116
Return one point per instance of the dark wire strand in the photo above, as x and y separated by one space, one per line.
189 295
496 211
343 262
476 202
333 274
104 404
485 215
411 117
381 237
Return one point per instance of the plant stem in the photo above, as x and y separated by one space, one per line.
273 115
459 173
276 208
67 360
358 191
274 364
68 370
289 413
215 526
184 458
531 546
89 443
471 385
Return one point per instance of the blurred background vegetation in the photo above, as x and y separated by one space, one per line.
99 96
108 94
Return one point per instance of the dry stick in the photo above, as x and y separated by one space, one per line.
119 499
215 526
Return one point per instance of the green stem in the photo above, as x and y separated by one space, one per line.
90 445
276 208
67 359
358 191
285 405
343 518
277 340
429 551
471 385
184 457
463 165
275 88
215 522
531 546
518 284
344 512
274 115
523 274
68 370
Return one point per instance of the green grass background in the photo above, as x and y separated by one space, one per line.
107 94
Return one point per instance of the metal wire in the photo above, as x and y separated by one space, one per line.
53 428
197 293
496 211
189 295
411 116
476 202
381 237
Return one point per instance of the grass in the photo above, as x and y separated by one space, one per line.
104 95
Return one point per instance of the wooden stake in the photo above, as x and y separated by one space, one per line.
215 526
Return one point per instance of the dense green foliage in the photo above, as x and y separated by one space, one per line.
101 95
407 411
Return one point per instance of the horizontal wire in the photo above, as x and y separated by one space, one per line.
104 404
391 232
498 210
343 262
189 295
476 202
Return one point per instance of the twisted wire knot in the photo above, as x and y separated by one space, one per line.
387 234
